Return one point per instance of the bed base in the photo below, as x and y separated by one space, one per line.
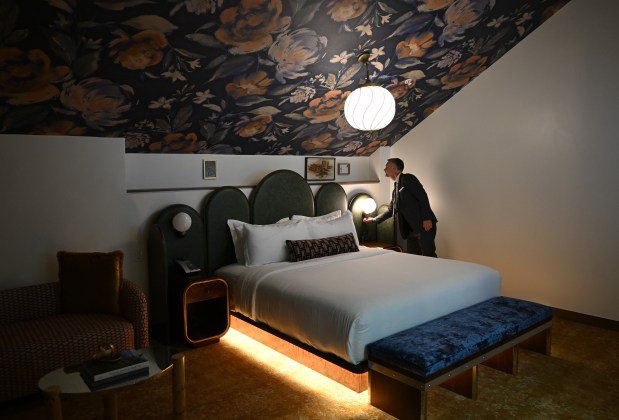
354 377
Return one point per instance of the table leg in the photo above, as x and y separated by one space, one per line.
52 399
110 406
178 386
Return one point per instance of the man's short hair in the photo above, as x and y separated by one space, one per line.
398 163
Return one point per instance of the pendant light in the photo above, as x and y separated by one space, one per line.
370 106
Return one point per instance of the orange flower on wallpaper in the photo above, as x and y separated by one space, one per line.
178 143
370 148
249 26
415 45
253 84
327 107
343 10
431 5
28 78
250 127
321 141
462 73
400 89
59 128
142 50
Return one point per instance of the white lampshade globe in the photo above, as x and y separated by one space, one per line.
369 205
369 108
181 222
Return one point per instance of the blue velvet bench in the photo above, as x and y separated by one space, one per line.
447 350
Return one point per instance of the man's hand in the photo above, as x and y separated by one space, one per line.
368 219
427 225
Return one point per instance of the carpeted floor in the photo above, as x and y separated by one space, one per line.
240 379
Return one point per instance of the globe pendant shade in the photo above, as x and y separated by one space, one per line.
369 108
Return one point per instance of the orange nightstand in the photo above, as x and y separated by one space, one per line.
206 312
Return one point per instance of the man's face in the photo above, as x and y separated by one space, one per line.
391 170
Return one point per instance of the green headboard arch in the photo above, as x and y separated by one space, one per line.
330 197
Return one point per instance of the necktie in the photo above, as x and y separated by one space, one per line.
395 198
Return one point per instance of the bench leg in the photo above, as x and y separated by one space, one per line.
396 398
506 361
464 384
539 343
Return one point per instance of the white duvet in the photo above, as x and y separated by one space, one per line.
340 304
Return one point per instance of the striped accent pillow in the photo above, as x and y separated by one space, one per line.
306 249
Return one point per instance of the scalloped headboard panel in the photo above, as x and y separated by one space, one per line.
280 194
330 197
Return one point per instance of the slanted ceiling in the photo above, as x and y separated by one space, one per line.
243 77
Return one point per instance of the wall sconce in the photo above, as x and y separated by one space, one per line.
362 205
181 223
370 106
368 206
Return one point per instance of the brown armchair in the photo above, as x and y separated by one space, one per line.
36 338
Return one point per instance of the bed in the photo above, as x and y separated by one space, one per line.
332 306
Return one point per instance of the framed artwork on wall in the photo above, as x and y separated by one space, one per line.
343 168
319 169
209 169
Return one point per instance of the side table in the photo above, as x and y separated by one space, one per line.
67 380
384 245
206 311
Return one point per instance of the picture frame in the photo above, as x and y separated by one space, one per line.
319 169
209 169
343 168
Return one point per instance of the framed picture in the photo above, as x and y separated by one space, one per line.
343 168
209 169
319 169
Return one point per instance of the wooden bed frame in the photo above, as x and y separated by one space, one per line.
279 194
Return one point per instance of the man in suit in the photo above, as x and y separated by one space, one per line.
414 217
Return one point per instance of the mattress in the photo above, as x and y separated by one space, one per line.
339 304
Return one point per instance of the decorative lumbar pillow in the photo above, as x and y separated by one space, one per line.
90 282
265 244
315 248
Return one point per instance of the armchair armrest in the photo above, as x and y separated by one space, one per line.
29 302
134 307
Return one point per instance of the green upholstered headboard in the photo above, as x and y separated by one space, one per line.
278 195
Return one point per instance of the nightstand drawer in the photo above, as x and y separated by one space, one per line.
204 290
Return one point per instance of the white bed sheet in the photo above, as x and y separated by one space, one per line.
340 304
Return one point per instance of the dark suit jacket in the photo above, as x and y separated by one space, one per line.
413 206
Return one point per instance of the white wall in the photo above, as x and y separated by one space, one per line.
70 193
521 165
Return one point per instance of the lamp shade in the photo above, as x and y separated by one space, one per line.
181 222
369 107
369 205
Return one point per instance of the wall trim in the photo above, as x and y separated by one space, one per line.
595 321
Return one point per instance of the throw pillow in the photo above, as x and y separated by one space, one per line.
90 282
306 249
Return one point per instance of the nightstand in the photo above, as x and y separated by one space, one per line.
206 313
384 245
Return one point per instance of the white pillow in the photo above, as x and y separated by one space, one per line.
238 236
267 244
340 226
325 217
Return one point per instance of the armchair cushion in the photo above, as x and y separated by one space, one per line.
90 282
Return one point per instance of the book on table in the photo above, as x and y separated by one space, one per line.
127 364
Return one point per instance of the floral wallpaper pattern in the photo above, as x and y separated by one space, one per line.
243 77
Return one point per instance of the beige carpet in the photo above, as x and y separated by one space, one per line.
240 379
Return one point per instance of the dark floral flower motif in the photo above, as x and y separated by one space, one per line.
327 107
27 78
295 51
100 102
200 7
371 147
400 89
178 143
415 45
344 10
250 127
430 109
321 141
432 5
462 73
59 128
142 50
253 84
462 15
249 26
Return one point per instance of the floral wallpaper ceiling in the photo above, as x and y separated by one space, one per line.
242 77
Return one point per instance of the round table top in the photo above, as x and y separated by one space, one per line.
70 382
